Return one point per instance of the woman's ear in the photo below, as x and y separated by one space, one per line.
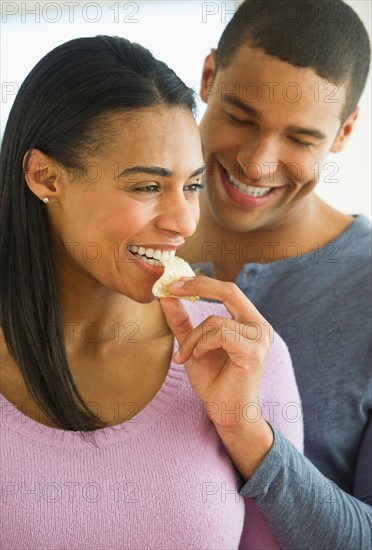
41 173
345 131
208 74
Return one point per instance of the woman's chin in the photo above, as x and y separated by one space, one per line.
147 300
141 297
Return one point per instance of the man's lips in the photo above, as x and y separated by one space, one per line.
244 194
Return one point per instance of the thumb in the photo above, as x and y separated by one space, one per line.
177 318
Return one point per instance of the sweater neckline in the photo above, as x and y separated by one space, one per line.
14 419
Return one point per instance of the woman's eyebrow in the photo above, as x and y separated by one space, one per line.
199 171
155 171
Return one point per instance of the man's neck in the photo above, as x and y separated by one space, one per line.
318 225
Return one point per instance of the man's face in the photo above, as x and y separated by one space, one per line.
266 133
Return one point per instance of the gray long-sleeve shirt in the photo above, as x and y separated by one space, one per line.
320 303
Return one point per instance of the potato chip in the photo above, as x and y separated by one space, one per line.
174 270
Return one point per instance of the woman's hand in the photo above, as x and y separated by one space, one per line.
225 360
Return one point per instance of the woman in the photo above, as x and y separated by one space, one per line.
105 444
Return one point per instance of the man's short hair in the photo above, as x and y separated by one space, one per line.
326 36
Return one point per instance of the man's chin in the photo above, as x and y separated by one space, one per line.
238 222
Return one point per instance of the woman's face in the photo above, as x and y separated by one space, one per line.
134 204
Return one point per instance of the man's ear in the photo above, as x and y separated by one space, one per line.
345 131
209 71
41 173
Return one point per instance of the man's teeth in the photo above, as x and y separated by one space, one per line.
248 189
151 256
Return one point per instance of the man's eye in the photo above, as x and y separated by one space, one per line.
233 118
304 144
194 187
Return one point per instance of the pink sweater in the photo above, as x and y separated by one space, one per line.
161 480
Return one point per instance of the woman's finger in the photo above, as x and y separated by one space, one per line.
236 303
221 332
177 318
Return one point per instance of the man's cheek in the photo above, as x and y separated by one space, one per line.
298 173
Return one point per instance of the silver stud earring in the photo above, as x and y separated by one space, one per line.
46 200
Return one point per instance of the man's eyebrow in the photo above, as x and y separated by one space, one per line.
232 100
155 171
312 132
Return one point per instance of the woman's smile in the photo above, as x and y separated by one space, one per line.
139 216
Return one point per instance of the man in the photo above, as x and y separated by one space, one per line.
282 91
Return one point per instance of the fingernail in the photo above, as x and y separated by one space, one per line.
177 284
176 355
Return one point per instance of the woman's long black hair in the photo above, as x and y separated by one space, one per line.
56 111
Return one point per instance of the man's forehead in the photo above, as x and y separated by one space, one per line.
254 78
253 63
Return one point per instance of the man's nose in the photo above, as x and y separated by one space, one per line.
259 159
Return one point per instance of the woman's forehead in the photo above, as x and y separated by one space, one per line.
154 128
161 136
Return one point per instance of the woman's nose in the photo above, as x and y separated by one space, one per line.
179 215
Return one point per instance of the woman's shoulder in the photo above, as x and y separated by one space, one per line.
279 396
200 310
279 372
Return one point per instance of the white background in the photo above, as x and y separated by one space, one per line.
181 34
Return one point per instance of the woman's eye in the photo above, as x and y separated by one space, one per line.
146 189
195 187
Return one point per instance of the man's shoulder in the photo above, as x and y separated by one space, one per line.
356 236
353 248
348 253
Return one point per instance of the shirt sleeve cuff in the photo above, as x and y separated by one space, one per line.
258 485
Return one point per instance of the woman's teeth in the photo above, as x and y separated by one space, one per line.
249 189
151 256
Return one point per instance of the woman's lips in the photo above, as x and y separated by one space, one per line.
156 271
